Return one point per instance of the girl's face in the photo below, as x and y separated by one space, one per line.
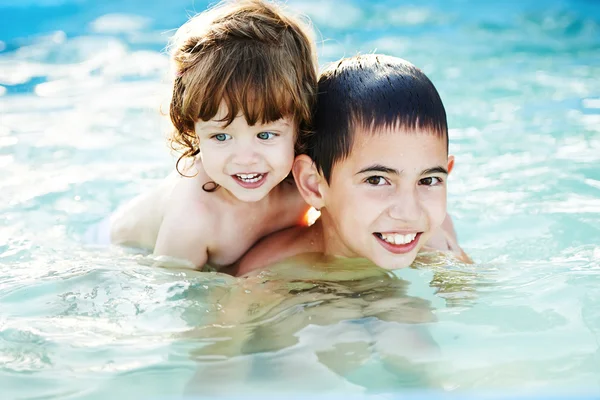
248 161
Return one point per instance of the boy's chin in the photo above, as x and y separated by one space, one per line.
393 262
395 266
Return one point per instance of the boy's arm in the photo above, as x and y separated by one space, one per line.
452 240
281 245
184 234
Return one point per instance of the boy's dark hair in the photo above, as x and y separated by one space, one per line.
371 92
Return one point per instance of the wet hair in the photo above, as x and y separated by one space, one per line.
249 55
373 93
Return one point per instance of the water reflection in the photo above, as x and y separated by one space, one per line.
345 324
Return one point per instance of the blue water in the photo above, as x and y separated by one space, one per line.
81 88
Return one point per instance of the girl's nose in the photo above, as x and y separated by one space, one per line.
246 155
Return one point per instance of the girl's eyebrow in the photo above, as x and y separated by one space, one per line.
281 122
212 125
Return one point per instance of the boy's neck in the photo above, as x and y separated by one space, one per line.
332 245
336 259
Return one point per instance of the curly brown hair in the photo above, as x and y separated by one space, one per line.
250 55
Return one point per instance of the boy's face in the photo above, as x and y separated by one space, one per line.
246 160
387 198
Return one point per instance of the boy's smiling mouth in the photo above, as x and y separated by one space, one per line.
398 243
250 180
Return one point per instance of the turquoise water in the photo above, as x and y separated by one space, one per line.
81 86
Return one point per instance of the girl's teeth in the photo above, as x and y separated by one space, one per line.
250 178
396 238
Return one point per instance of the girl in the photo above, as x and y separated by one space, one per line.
245 84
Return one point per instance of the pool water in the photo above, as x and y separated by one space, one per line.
82 84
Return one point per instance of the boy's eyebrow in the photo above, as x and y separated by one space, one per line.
378 168
387 170
435 170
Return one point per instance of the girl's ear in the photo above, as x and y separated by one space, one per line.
308 180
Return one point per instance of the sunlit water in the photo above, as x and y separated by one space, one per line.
81 86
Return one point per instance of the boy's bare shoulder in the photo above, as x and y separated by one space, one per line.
446 241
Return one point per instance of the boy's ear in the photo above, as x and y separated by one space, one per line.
450 163
308 180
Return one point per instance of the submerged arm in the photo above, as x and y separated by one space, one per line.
446 240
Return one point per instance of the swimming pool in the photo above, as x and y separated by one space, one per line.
81 84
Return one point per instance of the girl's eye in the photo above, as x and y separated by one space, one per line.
221 137
376 181
430 181
266 135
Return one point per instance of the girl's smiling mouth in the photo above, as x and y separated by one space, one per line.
250 180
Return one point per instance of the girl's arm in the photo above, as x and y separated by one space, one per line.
184 234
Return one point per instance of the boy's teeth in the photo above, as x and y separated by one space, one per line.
396 238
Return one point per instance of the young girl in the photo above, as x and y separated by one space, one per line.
245 82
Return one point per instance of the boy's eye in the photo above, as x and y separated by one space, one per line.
430 181
221 137
266 135
376 180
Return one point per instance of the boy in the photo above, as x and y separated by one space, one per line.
376 168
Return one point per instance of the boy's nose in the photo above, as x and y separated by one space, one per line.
405 207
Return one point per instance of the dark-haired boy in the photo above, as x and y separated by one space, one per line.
376 168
